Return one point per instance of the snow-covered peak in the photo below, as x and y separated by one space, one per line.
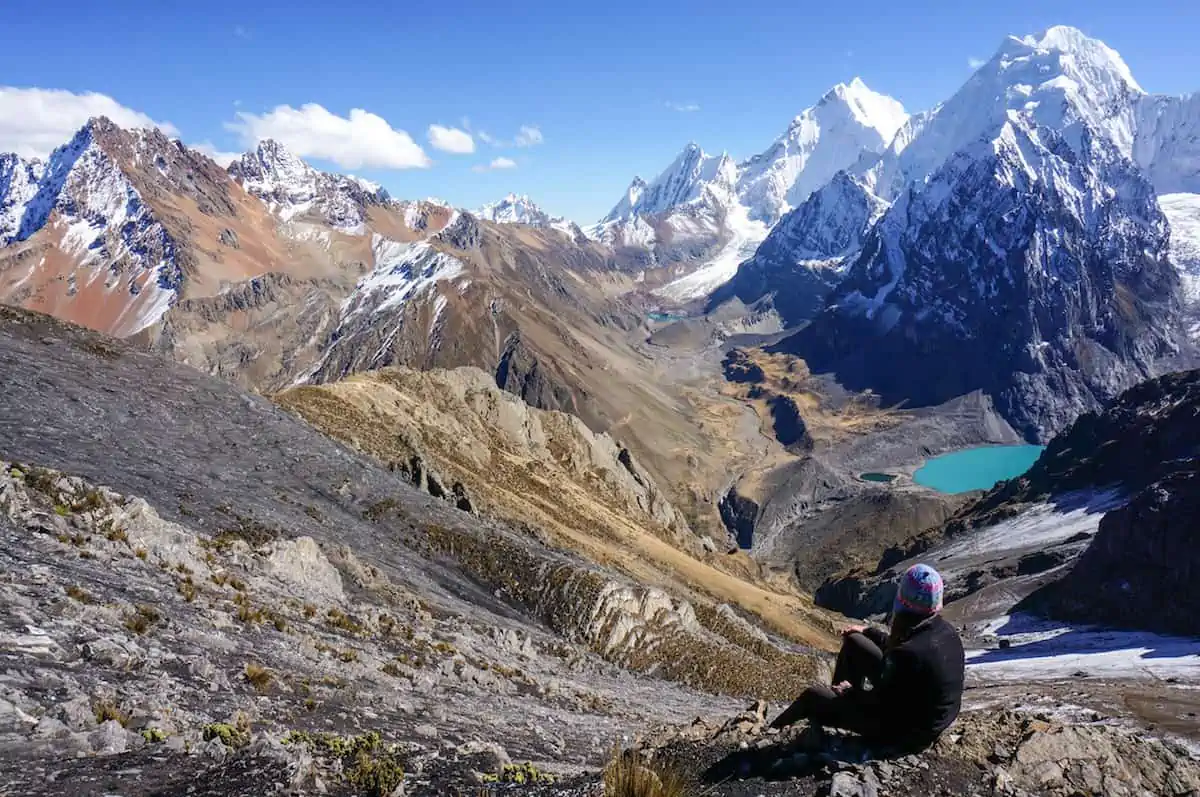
520 209
849 121
870 108
1090 53
514 209
1060 79
692 176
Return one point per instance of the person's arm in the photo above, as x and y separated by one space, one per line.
876 635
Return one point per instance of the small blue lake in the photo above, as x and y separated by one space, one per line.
665 318
976 468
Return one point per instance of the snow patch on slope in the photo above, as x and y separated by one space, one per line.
402 271
745 236
1047 650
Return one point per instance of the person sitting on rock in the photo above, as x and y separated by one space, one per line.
901 688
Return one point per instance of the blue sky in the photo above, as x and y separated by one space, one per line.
613 88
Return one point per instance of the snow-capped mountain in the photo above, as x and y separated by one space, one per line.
291 188
1060 80
1025 253
117 226
79 232
705 213
850 120
520 209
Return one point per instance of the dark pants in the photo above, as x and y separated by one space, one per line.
859 660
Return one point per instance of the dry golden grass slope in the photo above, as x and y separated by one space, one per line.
547 472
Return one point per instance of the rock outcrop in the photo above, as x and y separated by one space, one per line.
1019 753
1142 569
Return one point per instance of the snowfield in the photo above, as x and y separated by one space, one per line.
1047 650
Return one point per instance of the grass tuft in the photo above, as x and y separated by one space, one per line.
234 734
78 593
142 619
625 776
106 710
258 676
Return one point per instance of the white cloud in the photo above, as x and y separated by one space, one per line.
498 163
33 122
487 138
361 139
449 139
683 107
223 159
975 63
528 136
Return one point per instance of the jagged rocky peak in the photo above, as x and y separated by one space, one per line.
271 164
803 257
462 232
1002 265
292 188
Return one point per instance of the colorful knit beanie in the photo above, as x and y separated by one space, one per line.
920 592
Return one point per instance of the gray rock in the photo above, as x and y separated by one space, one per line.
13 718
77 713
50 728
110 739
848 784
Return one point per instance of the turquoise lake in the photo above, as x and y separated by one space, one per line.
666 317
976 468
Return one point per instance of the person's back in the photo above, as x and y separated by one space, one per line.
922 683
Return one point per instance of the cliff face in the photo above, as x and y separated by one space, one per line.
1142 570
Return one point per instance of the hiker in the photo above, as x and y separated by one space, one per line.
915 673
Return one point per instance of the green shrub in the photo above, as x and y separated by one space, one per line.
233 735
367 764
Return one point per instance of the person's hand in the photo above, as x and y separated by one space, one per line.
853 629
841 688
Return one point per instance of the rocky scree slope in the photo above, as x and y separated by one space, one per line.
148 562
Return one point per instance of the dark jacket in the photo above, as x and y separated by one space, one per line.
920 691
